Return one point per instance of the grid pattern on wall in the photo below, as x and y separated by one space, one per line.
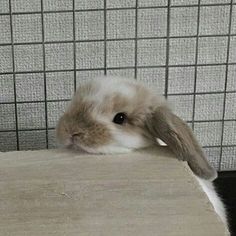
184 49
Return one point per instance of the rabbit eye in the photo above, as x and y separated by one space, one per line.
120 118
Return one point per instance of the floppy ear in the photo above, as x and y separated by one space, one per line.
165 125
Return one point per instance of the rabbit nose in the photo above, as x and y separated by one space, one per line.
75 135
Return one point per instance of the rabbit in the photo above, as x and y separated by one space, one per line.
117 115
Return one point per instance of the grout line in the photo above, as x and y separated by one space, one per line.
44 74
37 101
201 93
14 77
23 130
136 41
212 121
169 95
74 45
219 146
167 49
119 39
119 8
225 86
117 68
105 37
195 67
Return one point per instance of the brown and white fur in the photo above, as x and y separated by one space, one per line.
88 124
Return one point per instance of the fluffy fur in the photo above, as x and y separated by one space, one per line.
91 112
88 124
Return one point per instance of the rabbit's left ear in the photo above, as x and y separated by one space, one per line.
165 125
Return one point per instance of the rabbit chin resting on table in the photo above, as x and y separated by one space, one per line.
118 115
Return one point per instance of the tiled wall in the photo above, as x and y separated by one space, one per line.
185 49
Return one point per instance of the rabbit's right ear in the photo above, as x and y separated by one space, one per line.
168 127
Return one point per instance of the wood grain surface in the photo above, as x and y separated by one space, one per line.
59 192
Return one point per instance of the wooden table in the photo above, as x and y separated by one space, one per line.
58 192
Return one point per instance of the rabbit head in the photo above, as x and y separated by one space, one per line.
116 115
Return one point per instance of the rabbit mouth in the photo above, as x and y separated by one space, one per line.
76 147
73 143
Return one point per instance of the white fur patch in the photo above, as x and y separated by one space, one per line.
161 143
110 85
111 148
209 189
129 140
